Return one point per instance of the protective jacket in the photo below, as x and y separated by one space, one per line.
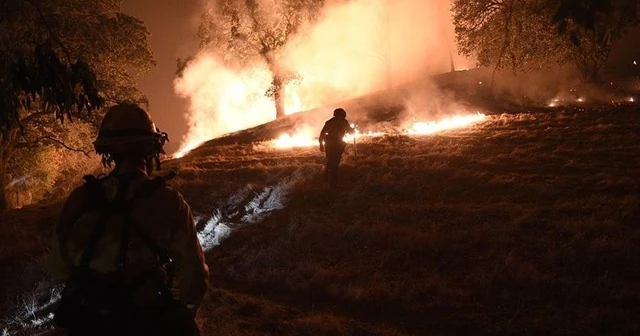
163 215
334 131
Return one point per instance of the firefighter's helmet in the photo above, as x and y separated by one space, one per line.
340 113
128 129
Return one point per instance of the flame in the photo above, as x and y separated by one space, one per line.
631 99
299 139
305 138
379 40
457 121
186 148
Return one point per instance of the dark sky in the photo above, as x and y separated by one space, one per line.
173 35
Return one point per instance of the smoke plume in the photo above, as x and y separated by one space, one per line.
354 48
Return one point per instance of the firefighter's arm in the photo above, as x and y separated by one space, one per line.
321 137
59 261
192 272
350 129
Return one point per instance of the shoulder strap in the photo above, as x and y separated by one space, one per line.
96 198
146 190
163 256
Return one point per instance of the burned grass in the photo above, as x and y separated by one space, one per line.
526 224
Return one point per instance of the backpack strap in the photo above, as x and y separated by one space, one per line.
163 259
146 190
87 253
122 207
97 199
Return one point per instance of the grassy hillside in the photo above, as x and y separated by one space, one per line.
526 224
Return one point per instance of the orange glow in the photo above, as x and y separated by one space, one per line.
299 139
305 137
292 102
457 121
185 149
408 38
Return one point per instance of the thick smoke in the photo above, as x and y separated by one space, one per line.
356 47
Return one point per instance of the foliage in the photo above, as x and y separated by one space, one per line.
50 170
249 31
505 33
59 59
528 34
592 26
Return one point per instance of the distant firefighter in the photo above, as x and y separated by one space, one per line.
332 143
122 238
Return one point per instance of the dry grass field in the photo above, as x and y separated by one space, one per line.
527 224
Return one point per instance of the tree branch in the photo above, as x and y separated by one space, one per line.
53 36
32 117
59 142
507 38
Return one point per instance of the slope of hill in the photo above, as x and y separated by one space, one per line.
525 224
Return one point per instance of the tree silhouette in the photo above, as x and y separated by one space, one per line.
246 31
60 60
531 34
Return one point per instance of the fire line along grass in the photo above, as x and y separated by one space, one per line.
524 223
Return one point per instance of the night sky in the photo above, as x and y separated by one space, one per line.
173 27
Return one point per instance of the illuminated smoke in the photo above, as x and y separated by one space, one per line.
305 138
34 314
301 137
213 89
458 121
345 54
246 207
214 232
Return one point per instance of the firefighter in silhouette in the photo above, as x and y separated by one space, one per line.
332 143
122 239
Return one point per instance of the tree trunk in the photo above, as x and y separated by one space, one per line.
591 73
453 66
507 38
278 96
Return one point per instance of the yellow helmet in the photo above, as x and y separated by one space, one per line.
127 128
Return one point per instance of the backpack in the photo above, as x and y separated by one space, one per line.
99 301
